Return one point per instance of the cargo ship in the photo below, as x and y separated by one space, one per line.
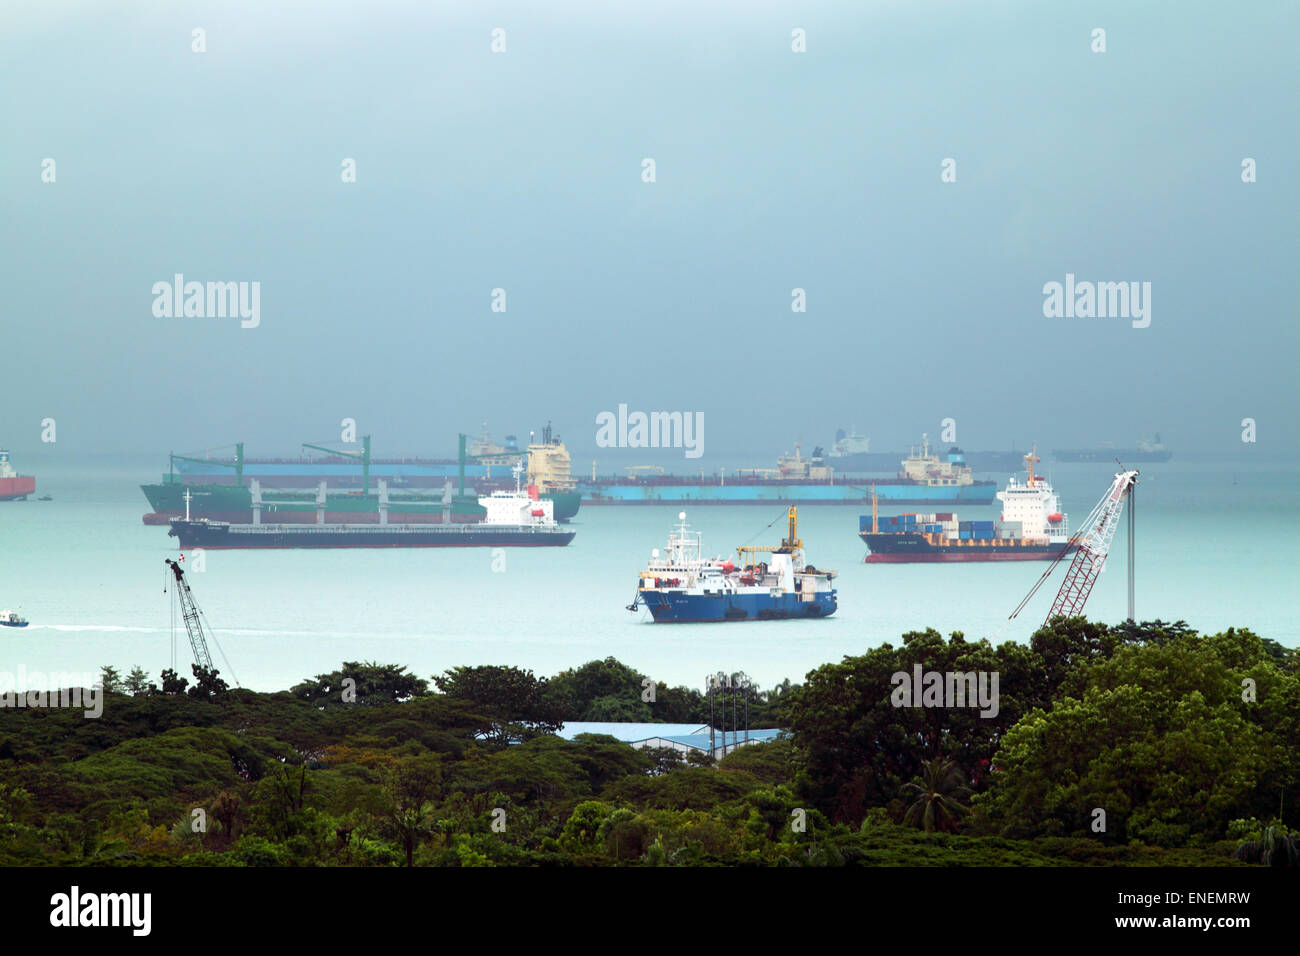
221 488
681 586
511 519
924 479
1032 528
13 486
1147 450
851 454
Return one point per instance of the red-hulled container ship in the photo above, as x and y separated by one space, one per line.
1032 528
13 486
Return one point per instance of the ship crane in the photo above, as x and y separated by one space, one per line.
1091 544
362 456
237 465
194 622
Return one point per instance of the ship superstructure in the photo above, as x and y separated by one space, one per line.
549 466
927 468
849 443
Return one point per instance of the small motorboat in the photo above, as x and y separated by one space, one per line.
10 619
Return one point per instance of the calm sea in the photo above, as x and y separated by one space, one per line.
1216 546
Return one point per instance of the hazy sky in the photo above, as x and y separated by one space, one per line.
522 170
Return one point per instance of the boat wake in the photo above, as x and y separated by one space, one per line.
91 627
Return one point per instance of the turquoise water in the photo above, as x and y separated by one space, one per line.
89 576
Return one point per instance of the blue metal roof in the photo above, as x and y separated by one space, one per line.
628 731
688 735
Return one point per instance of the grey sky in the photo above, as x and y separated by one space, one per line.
522 170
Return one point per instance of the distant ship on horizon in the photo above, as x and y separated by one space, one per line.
851 454
925 477
1147 450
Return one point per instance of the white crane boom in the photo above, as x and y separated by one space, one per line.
1091 545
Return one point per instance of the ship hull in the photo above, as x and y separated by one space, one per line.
786 493
910 548
198 534
234 503
673 607
230 502
887 462
17 488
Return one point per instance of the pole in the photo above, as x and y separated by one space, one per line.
708 689
365 464
1132 518
461 456
735 725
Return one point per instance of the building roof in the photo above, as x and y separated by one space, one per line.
689 735
628 731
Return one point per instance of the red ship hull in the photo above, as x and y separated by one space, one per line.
952 557
17 487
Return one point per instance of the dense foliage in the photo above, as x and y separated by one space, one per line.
1132 745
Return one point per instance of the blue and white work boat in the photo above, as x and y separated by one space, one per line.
681 585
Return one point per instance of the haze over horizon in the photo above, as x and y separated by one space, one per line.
774 171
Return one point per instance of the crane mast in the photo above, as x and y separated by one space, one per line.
190 613
1091 546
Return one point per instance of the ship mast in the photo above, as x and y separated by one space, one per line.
792 541
1030 459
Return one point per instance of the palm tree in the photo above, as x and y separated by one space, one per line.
1274 848
938 792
